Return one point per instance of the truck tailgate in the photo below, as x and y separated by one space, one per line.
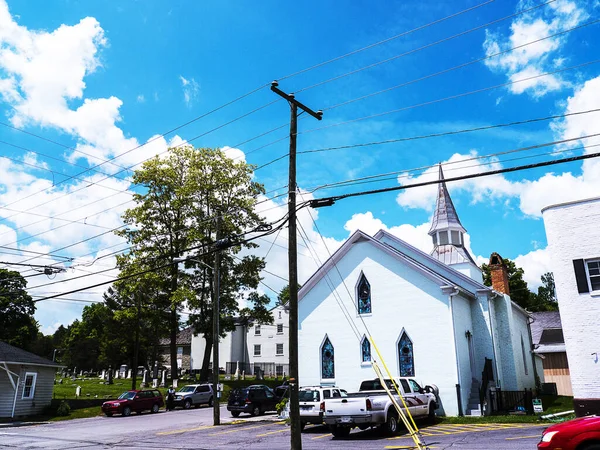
351 406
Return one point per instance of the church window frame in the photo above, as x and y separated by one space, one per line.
327 359
366 356
364 295
406 359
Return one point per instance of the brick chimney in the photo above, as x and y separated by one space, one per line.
499 274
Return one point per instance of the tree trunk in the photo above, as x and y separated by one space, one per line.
206 359
174 326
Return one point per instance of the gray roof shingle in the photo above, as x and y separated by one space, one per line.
8 353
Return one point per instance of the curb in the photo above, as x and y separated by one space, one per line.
20 424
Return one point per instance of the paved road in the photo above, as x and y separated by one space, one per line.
193 429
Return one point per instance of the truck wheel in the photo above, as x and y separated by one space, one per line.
155 408
431 413
390 427
255 410
109 414
187 404
302 425
340 432
126 411
592 446
210 402
235 413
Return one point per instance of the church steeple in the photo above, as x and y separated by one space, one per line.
446 230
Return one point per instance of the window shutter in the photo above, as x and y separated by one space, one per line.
580 276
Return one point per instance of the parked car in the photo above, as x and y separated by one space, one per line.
194 395
312 402
138 401
254 400
371 406
577 434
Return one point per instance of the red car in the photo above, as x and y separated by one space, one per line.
138 401
577 434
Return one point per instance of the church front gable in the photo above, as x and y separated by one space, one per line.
404 310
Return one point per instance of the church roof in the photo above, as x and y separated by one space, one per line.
444 216
419 260
452 254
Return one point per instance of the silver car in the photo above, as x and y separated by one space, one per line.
194 395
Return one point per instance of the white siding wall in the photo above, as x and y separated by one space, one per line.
199 345
520 330
462 322
573 233
269 338
402 298
505 351
482 337
26 407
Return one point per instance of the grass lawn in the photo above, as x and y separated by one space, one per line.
95 388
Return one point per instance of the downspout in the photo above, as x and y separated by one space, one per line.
451 291
493 340
15 387
532 351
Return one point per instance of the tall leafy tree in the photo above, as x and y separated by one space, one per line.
17 324
180 198
519 290
543 300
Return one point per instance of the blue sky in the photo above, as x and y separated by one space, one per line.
100 78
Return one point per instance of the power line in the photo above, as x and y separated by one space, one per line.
125 277
405 33
374 178
454 132
460 66
327 201
479 27
452 97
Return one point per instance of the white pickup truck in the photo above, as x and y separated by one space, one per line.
371 406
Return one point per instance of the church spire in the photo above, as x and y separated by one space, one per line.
446 230
445 216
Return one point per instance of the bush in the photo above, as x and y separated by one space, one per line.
281 405
63 409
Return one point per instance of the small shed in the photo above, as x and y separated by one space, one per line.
26 382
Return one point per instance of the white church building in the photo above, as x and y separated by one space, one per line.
430 316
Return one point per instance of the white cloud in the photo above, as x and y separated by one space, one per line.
484 189
234 153
140 98
191 90
42 74
535 264
539 57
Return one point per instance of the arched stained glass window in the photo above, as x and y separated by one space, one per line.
364 295
365 350
405 356
327 361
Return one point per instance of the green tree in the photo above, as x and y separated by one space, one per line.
284 295
17 324
543 300
519 291
181 196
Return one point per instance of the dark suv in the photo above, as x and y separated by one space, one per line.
254 400
138 401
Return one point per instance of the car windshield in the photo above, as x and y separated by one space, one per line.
187 389
127 395
309 396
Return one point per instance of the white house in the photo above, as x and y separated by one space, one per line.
252 346
430 316
575 261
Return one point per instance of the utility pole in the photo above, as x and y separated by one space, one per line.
216 317
296 436
136 348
